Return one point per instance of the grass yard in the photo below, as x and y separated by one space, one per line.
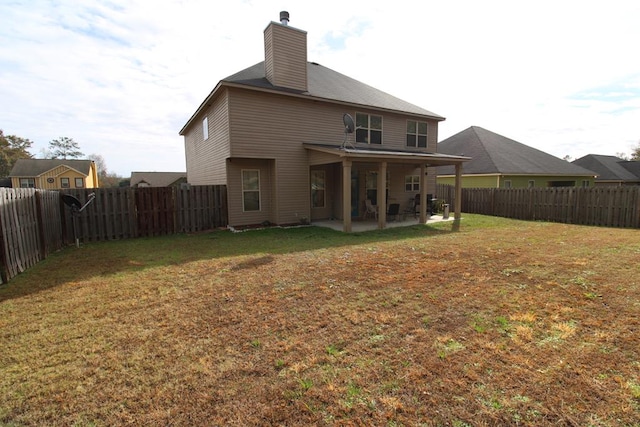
502 323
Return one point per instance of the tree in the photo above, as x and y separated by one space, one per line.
105 179
12 148
567 158
64 148
635 152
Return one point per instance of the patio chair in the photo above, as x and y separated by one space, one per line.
394 211
370 209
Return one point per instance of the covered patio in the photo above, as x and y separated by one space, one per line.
348 157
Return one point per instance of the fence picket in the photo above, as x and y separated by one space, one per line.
601 206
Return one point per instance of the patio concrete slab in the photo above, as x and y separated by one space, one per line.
358 226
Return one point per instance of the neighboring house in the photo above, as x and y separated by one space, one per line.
500 162
274 135
54 174
157 179
611 170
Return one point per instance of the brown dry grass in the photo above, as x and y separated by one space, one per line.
502 323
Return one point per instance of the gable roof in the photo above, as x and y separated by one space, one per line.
632 166
495 154
37 167
608 168
156 179
323 84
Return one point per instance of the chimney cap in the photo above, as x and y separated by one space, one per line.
284 17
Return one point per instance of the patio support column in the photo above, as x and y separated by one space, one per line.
458 204
423 194
382 195
346 196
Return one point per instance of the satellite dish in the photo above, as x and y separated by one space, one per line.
349 125
71 201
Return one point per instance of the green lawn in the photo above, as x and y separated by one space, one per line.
501 323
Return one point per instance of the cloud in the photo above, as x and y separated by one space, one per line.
122 77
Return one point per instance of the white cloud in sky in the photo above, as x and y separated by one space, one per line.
122 77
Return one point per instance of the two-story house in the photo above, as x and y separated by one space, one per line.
53 174
274 134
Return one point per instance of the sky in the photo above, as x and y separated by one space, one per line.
121 77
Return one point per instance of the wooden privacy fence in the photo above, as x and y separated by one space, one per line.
602 206
34 223
30 228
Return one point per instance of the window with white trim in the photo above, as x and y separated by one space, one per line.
79 183
205 128
27 183
250 190
318 189
368 128
412 183
64 183
416 134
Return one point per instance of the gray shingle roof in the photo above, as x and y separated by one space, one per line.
330 85
495 154
632 166
36 167
156 179
608 168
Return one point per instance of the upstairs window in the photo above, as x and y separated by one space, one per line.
79 183
368 128
205 128
416 134
64 183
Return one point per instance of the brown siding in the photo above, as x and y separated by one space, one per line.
275 127
205 159
234 192
286 56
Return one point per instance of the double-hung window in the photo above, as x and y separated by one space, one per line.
79 183
64 183
317 189
416 134
250 190
412 183
27 182
368 128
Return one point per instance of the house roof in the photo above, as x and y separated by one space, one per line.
632 166
608 168
156 179
37 167
495 154
323 84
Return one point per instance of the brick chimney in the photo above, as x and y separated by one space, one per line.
285 51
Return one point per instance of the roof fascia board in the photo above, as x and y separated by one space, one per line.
204 103
330 101
221 84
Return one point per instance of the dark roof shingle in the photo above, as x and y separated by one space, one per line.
492 153
36 167
330 85
608 168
